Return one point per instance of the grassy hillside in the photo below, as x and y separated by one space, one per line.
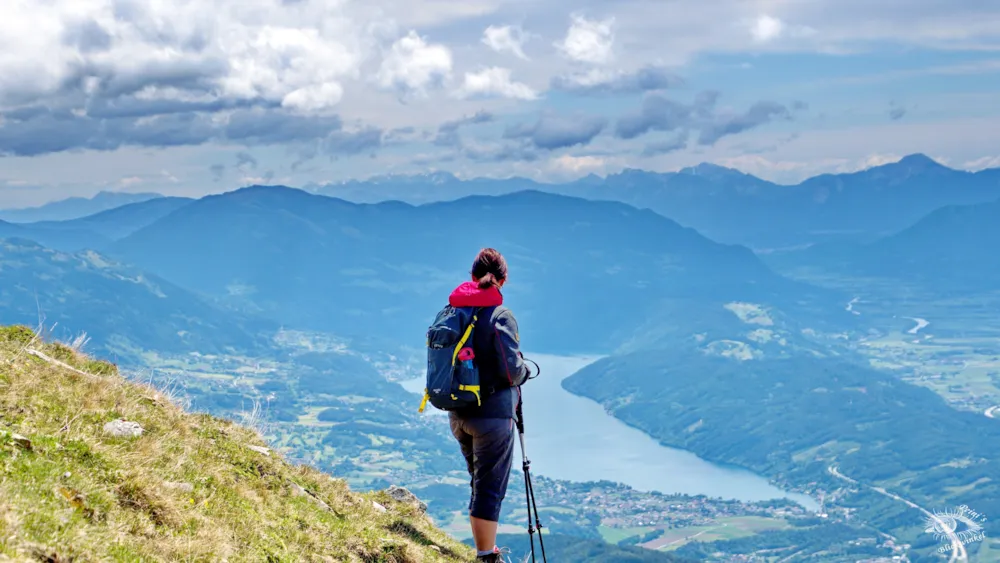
189 487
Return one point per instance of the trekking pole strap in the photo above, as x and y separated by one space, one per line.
538 369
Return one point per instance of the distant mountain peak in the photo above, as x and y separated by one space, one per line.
920 161
435 177
630 173
590 180
710 170
258 191
915 163
107 194
918 158
441 177
266 188
909 166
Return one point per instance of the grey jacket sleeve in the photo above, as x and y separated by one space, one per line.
507 342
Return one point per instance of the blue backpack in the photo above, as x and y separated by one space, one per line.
452 375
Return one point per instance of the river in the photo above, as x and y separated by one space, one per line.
921 324
573 438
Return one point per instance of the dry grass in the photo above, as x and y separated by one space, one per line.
188 489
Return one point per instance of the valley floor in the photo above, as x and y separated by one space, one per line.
947 343
384 453
926 346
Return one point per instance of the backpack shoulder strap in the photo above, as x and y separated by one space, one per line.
466 336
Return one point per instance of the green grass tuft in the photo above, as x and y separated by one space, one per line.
17 334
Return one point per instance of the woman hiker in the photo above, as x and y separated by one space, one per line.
486 433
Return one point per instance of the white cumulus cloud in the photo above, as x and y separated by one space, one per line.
983 163
577 164
413 64
588 41
314 98
871 161
495 81
506 39
293 54
767 28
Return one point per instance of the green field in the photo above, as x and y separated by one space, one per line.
957 355
724 529
309 417
459 528
989 550
615 535
966 372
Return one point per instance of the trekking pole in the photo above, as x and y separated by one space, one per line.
529 491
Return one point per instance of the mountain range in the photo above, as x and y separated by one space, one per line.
730 206
327 264
313 262
120 308
65 237
724 204
74 207
117 222
953 249
699 332
97 231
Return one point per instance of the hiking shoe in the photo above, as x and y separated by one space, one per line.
496 557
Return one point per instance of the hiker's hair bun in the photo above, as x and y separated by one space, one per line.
489 268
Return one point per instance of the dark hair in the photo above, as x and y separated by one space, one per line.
489 268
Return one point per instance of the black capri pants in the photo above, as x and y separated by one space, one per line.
488 447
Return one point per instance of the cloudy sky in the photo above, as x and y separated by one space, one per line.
189 97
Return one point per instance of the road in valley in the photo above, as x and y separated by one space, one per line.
958 553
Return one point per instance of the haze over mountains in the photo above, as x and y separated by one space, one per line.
282 255
97 231
321 263
954 248
729 206
327 264
120 221
119 307
688 322
723 204
74 207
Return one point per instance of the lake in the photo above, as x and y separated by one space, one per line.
573 438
